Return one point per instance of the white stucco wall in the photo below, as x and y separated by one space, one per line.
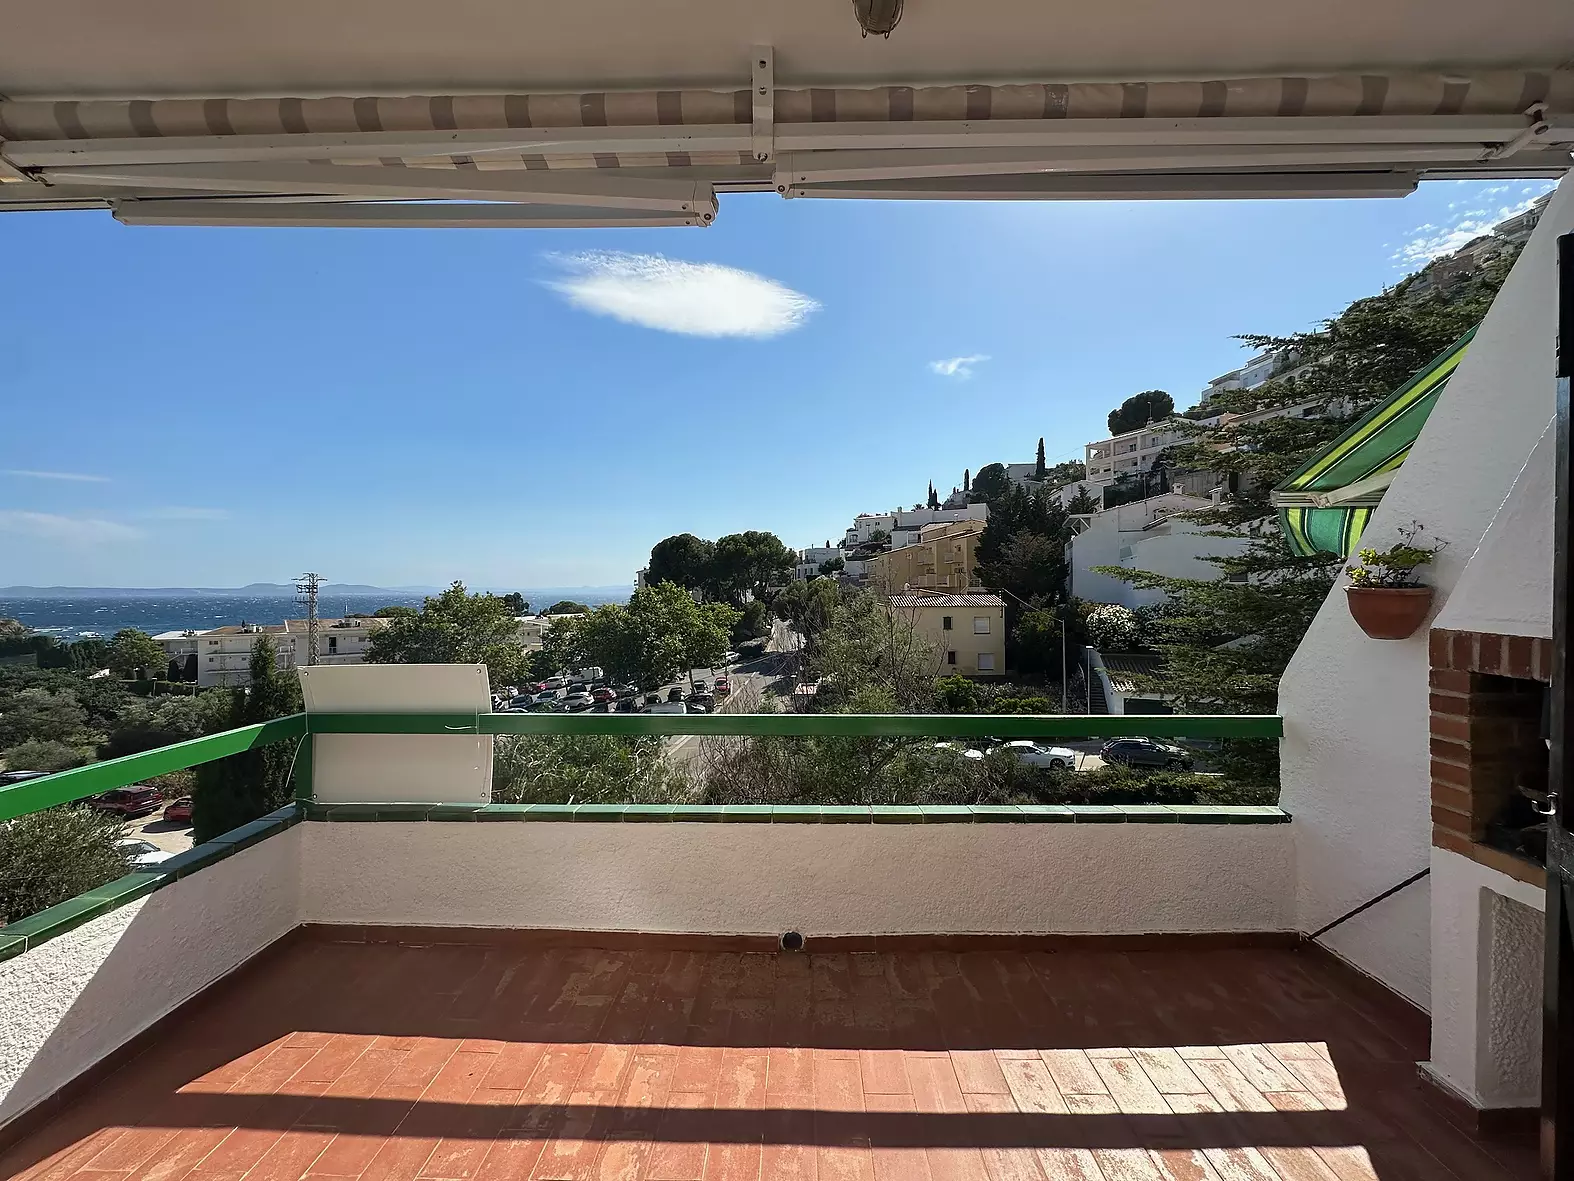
1487 963
1355 752
1507 588
821 879
67 1004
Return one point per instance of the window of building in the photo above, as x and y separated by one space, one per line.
950 657
333 645
945 623
980 625
986 662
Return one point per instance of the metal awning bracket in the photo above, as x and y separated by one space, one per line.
763 92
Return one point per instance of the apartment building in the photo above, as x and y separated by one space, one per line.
911 522
224 653
968 630
1129 454
945 557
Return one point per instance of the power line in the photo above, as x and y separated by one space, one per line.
306 588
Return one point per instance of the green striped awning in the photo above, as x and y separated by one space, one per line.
1326 503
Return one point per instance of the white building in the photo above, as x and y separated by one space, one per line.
1378 791
1144 535
224 653
1267 364
1129 454
908 523
812 558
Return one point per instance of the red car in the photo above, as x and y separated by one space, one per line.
136 800
603 695
178 810
721 688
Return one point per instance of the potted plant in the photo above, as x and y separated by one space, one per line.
1386 598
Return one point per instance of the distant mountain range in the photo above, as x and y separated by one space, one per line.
260 590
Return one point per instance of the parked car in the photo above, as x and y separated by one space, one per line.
700 703
730 659
675 693
178 811
557 682
603 695
666 707
699 685
1034 754
9 777
136 800
627 705
578 702
627 691
520 702
548 704
1146 752
544 697
653 699
141 853
721 688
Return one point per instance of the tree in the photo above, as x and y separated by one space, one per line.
749 562
242 787
833 565
567 607
454 627
1082 502
1139 410
754 622
37 713
684 559
516 603
47 857
45 754
146 725
879 541
990 484
934 497
661 631
808 607
1036 639
967 480
90 655
133 652
869 647
1031 567
1065 473
1039 470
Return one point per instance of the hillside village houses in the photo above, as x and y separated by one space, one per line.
223 654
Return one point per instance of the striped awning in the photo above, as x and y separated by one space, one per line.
662 156
1325 505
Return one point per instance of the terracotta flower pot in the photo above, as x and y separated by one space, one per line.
1389 612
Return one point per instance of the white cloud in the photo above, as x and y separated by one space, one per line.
692 298
72 530
1435 239
183 512
961 367
77 477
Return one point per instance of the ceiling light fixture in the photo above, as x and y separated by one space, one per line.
878 16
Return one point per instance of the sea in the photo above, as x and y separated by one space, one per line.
88 617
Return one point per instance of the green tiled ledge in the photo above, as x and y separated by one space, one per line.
808 814
28 933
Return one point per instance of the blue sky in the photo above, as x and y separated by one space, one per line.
529 408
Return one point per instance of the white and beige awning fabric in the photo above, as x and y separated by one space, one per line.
659 157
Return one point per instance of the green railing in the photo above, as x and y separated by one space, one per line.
36 794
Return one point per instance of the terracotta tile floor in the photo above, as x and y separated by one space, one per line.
386 1062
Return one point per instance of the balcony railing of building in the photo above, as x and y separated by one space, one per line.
139 947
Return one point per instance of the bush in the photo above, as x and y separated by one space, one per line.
1112 628
50 856
45 754
957 695
584 769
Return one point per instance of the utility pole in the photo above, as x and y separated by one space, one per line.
306 588
1065 617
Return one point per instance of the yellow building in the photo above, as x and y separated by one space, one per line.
969 631
945 557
